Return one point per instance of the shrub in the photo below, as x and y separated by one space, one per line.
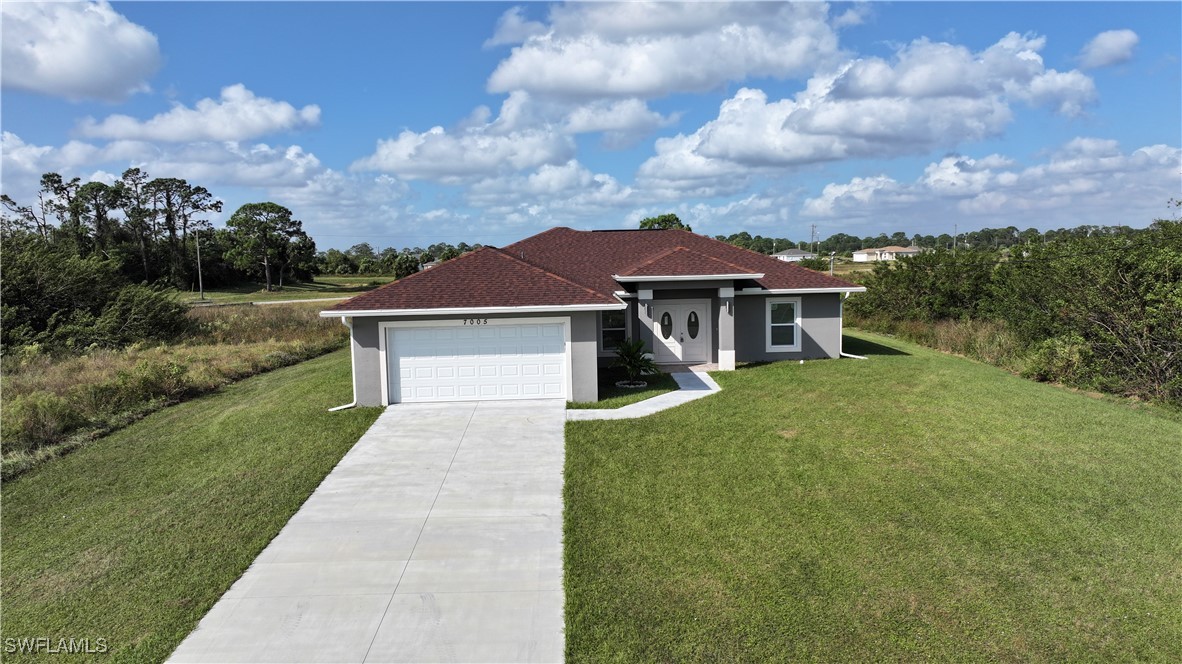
1065 359
37 419
141 313
633 360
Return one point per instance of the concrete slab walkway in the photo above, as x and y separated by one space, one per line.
438 538
694 385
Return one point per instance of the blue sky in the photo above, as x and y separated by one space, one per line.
404 124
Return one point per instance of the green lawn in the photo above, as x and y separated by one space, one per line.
611 396
134 537
914 506
320 287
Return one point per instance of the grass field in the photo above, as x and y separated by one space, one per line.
54 403
134 537
914 506
320 287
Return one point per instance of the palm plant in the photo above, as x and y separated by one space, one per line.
634 361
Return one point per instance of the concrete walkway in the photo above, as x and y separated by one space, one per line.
693 384
438 538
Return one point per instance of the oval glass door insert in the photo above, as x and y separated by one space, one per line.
691 325
666 325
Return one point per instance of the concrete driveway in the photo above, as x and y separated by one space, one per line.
438 538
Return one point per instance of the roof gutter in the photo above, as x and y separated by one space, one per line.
540 309
686 277
793 291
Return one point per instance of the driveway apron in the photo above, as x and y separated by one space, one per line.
437 538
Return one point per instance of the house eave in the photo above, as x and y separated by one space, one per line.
686 277
452 311
795 291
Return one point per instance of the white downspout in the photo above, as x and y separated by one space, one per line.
348 322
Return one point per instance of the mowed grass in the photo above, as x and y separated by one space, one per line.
134 537
611 396
320 287
914 506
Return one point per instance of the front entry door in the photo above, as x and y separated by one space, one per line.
681 331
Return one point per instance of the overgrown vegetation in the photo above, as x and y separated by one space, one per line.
54 403
911 507
134 539
1098 313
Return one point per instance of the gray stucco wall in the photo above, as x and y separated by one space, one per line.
820 328
367 377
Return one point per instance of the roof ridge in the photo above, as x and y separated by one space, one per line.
547 272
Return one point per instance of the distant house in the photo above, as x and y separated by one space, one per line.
792 255
884 254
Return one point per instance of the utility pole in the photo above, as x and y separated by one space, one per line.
813 236
955 235
200 283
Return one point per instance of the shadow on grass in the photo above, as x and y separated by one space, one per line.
866 348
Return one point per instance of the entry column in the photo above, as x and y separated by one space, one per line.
726 329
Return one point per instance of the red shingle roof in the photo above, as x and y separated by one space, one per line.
486 277
679 261
562 266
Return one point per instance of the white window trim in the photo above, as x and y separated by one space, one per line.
599 331
767 325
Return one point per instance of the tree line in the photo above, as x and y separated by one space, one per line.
983 239
92 263
1098 308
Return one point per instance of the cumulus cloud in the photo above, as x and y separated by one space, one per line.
1109 48
644 50
514 28
76 50
239 115
623 123
228 163
1087 180
931 96
515 141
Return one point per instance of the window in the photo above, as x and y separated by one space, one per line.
666 325
783 325
612 329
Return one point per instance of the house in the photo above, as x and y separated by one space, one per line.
538 318
793 255
884 254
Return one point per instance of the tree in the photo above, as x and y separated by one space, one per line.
405 265
665 221
262 232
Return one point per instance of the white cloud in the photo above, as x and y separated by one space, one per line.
513 28
75 50
644 50
517 140
238 115
1087 181
1109 48
228 163
623 123
931 96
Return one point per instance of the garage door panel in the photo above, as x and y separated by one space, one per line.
500 361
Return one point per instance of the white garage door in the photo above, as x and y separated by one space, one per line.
488 361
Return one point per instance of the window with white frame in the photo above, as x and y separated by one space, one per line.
783 324
613 329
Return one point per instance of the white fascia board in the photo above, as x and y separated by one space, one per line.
688 277
624 295
541 309
794 291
